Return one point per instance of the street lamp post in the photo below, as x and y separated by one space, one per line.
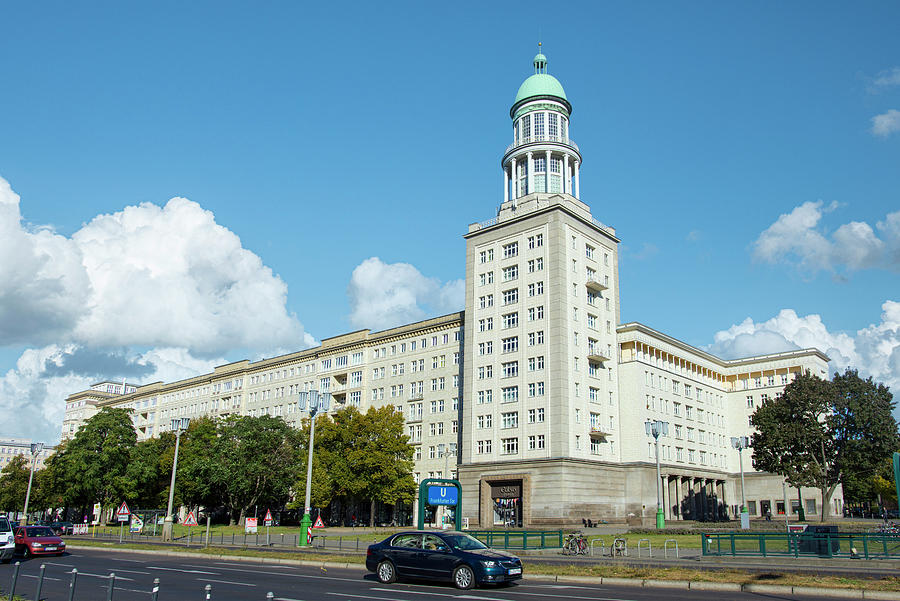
36 448
656 429
317 402
741 443
446 451
179 425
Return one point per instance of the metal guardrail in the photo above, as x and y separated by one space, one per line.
519 539
854 545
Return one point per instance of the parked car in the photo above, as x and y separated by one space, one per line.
38 540
7 540
62 528
454 556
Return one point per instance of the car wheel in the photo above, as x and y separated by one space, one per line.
386 572
463 577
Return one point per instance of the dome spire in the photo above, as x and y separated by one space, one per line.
540 61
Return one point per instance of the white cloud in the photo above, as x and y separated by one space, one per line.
885 124
384 295
34 391
168 280
887 78
855 245
873 350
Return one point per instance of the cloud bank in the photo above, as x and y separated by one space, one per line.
797 237
140 293
873 350
383 295
885 124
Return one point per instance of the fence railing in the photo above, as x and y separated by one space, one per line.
856 545
519 539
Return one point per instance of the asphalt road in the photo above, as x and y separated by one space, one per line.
184 579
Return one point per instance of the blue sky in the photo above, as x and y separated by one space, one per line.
746 154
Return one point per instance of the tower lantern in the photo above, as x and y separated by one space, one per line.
542 157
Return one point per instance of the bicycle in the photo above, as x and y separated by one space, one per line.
575 544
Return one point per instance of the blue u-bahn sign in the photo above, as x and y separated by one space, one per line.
443 495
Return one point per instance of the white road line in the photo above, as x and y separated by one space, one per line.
225 582
65 565
36 577
105 576
183 571
117 570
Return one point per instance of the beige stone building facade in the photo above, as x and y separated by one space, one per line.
536 395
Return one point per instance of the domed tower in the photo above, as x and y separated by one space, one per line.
542 157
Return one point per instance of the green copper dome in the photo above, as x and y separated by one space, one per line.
540 84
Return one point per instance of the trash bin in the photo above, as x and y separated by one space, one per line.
814 540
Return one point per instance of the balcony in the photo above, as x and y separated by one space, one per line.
599 433
416 396
596 285
545 138
596 355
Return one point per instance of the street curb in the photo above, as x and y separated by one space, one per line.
636 582
701 585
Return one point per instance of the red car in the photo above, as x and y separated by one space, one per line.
38 540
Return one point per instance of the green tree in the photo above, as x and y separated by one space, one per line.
200 474
14 484
95 462
358 456
149 470
253 462
862 434
818 432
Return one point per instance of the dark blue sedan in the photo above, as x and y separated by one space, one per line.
453 556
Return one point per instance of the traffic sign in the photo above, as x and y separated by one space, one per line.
443 495
137 523
250 525
319 523
190 520
123 513
268 519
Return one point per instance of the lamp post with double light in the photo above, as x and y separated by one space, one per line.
446 451
316 402
741 443
656 429
179 425
36 448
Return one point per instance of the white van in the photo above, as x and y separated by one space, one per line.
7 540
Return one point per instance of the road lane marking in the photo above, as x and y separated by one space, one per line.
131 571
224 582
183 571
106 576
34 576
65 565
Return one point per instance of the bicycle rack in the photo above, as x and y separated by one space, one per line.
620 547
666 548
649 547
602 546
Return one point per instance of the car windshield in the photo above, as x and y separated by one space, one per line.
4 525
464 542
37 531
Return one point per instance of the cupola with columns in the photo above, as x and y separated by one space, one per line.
542 157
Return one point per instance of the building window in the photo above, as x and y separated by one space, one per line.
536 313
483 446
510 296
486 256
510 394
510 446
510 369
510 250
510 320
536 289
510 273
510 420
535 363
510 345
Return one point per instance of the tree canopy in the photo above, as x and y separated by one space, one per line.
820 433
14 484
